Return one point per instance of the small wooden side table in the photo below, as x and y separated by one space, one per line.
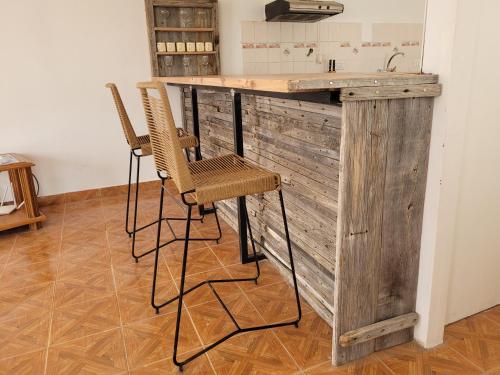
24 190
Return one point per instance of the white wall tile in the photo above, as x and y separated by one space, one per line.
261 68
249 68
284 48
299 67
286 31
273 32
312 32
248 55
260 32
274 68
260 55
286 67
299 32
324 31
247 32
274 54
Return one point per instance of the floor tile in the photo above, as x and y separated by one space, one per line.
135 303
86 259
25 301
34 253
368 366
151 340
212 322
24 364
228 253
28 274
24 334
478 339
493 314
103 353
83 287
228 235
200 260
137 275
199 366
252 353
268 274
85 237
84 319
411 359
311 343
277 303
204 293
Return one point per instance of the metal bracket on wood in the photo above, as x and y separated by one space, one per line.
378 329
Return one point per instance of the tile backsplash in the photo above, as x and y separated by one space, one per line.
273 47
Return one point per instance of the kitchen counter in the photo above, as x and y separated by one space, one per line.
352 150
292 83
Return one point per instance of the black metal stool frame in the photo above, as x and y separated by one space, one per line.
182 293
132 233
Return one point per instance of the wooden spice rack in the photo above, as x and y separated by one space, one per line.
183 21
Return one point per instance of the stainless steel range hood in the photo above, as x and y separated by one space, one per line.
302 10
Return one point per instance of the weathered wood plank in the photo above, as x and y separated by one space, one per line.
410 122
390 92
359 224
379 329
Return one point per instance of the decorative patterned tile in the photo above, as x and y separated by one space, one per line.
135 303
28 274
311 343
204 293
277 303
103 353
199 366
24 333
493 314
24 364
84 319
227 253
24 301
369 366
268 274
200 260
84 237
34 253
151 340
212 322
478 339
137 275
83 287
411 359
252 353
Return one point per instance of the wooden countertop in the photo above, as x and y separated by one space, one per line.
290 83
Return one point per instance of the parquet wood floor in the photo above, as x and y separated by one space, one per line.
72 301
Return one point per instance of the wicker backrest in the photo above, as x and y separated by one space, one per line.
165 143
128 130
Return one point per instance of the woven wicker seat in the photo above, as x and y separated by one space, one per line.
201 182
140 146
230 176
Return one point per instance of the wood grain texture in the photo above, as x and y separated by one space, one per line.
390 92
287 83
384 157
378 329
301 142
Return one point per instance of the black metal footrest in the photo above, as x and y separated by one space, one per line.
238 329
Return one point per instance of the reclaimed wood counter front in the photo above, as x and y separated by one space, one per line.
352 150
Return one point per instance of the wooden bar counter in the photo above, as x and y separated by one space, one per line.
352 150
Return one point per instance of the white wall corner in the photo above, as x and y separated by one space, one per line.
435 264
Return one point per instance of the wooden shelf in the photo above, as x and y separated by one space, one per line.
18 219
185 53
186 29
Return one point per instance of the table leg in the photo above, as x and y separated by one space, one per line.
239 150
28 191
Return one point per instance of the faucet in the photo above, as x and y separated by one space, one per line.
387 67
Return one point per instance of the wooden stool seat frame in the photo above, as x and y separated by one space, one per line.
158 127
140 146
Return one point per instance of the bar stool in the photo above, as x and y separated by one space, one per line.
140 146
202 182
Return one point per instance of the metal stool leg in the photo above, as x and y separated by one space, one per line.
157 253
290 254
135 208
253 246
181 290
128 194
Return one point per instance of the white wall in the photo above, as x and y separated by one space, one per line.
461 248
56 56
